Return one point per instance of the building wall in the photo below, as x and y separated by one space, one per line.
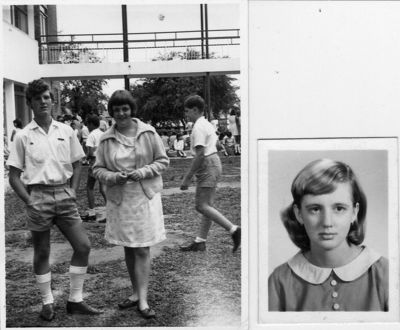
20 61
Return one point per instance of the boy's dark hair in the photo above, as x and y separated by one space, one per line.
228 134
194 101
37 87
121 97
322 177
93 119
17 122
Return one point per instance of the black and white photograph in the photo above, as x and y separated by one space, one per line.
122 165
327 217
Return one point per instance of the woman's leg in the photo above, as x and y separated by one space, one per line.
130 264
142 273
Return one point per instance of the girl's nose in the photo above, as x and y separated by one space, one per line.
326 218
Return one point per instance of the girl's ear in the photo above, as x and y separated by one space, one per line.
297 214
355 212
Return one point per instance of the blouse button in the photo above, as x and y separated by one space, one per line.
334 294
333 282
336 306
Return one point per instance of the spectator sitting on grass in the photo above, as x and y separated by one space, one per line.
179 145
229 143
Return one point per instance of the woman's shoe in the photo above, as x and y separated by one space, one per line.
127 303
147 313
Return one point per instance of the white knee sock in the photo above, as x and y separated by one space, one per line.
77 277
44 284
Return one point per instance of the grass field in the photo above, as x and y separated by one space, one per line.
186 289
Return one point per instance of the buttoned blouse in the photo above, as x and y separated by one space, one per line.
203 134
361 285
45 158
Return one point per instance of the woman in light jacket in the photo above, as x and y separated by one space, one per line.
129 161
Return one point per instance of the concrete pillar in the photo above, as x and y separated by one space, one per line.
9 102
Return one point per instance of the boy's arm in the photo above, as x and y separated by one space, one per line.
17 184
196 163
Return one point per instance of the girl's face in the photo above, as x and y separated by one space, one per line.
327 218
122 114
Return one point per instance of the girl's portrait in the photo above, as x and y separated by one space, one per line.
328 229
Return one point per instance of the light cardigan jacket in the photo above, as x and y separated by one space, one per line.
151 160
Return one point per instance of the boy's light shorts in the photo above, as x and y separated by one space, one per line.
52 205
210 171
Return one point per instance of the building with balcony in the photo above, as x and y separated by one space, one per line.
34 48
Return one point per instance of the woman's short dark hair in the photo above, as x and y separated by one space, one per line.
121 97
193 101
233 112
37 87
322 177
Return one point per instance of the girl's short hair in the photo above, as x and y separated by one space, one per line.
121 97
322 177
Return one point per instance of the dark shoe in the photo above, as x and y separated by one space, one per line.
194 246
127 303
47 312
147 313
81 308
236 237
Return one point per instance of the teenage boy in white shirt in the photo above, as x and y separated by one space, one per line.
47 153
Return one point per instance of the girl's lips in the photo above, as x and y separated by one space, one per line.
327 236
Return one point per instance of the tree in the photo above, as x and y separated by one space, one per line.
82 96
160 100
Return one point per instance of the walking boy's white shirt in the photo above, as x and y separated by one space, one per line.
313 60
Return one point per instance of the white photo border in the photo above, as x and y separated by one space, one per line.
389 144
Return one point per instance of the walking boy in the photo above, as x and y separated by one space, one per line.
47 153
207 167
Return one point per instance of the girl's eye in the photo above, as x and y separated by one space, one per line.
340 209
314 210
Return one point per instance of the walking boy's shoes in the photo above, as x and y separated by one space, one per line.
127 303
194 246
47 312
81 308
236 237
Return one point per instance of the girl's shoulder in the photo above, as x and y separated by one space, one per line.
281 271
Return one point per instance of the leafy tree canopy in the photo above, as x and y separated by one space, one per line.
160 100
82 96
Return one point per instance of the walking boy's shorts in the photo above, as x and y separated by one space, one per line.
52 205
210 171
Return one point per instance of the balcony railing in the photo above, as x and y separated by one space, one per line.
146 46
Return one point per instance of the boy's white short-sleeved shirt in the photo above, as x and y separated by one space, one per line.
203 134
93 139
45 158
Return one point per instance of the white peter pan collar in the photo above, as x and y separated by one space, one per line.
317 275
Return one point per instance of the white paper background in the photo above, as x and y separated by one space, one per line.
319 69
